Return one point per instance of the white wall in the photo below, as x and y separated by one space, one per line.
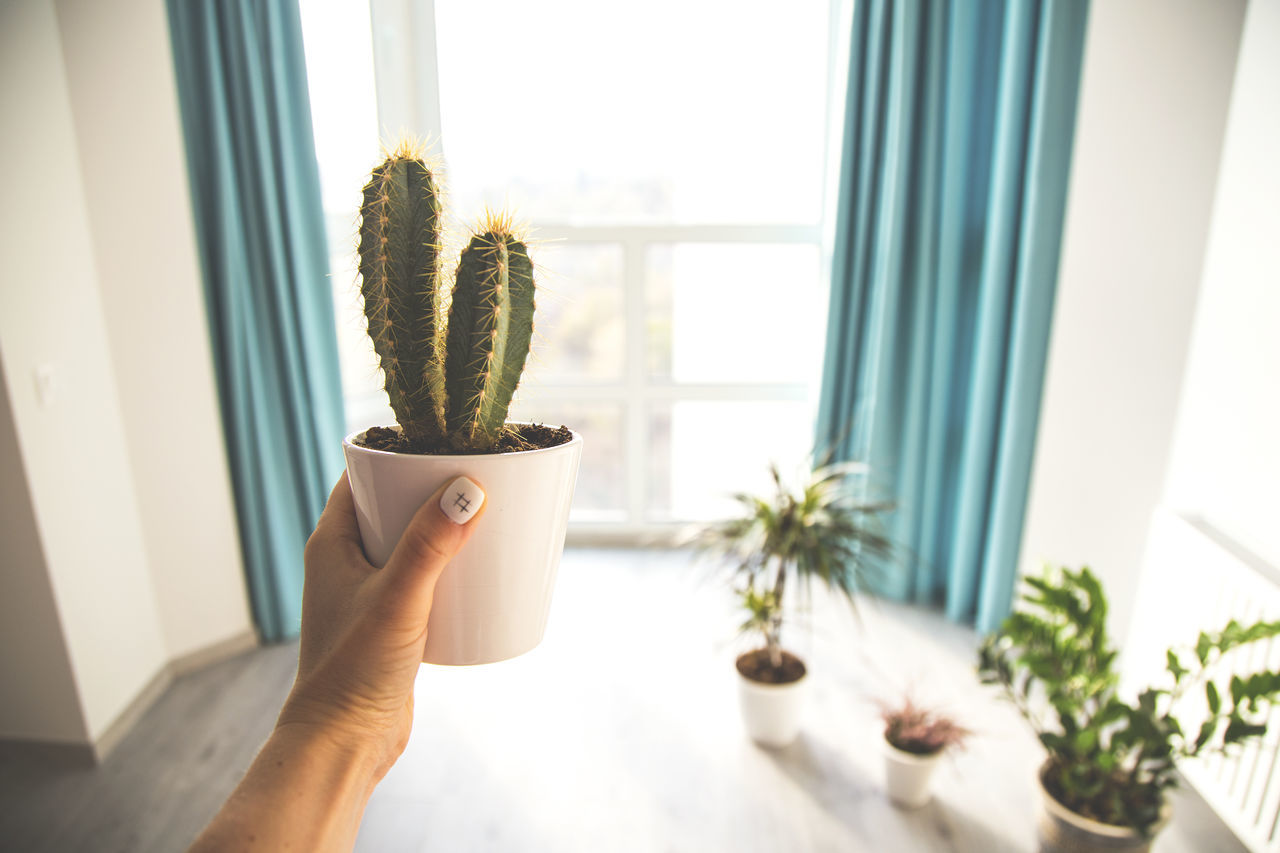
1155 86
119 66
73 448
100 288
33 653
1225 466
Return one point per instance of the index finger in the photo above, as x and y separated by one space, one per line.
338 521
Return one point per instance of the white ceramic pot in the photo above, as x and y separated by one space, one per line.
1061 830
492 600
772 712
907 776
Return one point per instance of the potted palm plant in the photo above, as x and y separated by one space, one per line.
1111 761
821 530
915 740
450 386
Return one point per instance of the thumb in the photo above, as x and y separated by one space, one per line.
434 536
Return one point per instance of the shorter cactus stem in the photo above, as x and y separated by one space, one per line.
490 330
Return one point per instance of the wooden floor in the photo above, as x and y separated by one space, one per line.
620 733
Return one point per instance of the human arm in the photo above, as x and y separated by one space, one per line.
349 714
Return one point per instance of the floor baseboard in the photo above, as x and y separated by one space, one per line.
215 653
56 753
128 718
181 665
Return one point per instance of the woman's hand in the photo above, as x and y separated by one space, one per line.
364 629
348 716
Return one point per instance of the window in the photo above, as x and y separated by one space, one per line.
671 163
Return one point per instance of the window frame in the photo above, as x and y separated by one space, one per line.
407 82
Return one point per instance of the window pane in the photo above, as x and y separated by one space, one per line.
580 328
665 111
366 404
345 123
703 453
344 114
735 313
601 494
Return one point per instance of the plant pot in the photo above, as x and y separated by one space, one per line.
492 601
907 776
771 712
1061 830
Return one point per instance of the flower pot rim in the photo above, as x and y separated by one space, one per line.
766 685
349 440
911 757
1097 827
769 685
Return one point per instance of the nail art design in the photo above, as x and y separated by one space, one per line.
461 500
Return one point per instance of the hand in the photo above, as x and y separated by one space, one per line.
348 716
364 629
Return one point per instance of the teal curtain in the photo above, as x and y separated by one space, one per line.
255 191
957 146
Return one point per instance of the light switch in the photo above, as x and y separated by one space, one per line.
46 385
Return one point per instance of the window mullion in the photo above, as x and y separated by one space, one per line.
406 76
636 361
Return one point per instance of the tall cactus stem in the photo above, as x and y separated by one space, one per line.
399 268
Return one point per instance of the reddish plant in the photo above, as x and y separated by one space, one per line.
920 731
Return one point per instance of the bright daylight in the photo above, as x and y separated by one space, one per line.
566 426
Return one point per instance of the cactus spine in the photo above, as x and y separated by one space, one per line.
448 388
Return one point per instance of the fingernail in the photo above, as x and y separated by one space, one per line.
461 500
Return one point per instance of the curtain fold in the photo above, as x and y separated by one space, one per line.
255 191
957 148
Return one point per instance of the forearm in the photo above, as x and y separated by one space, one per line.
350 712
305 791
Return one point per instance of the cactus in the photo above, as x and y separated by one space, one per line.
449 388
399 270
490 328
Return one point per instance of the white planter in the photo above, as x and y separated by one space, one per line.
1061 830
772 712
907 776
492 601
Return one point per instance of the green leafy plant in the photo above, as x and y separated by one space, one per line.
917 730
764 615
1112 760
820 530
450 388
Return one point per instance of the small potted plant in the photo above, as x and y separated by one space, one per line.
450 386
915 739
821 530
1111 761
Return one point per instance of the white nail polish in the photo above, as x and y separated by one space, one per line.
461 500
